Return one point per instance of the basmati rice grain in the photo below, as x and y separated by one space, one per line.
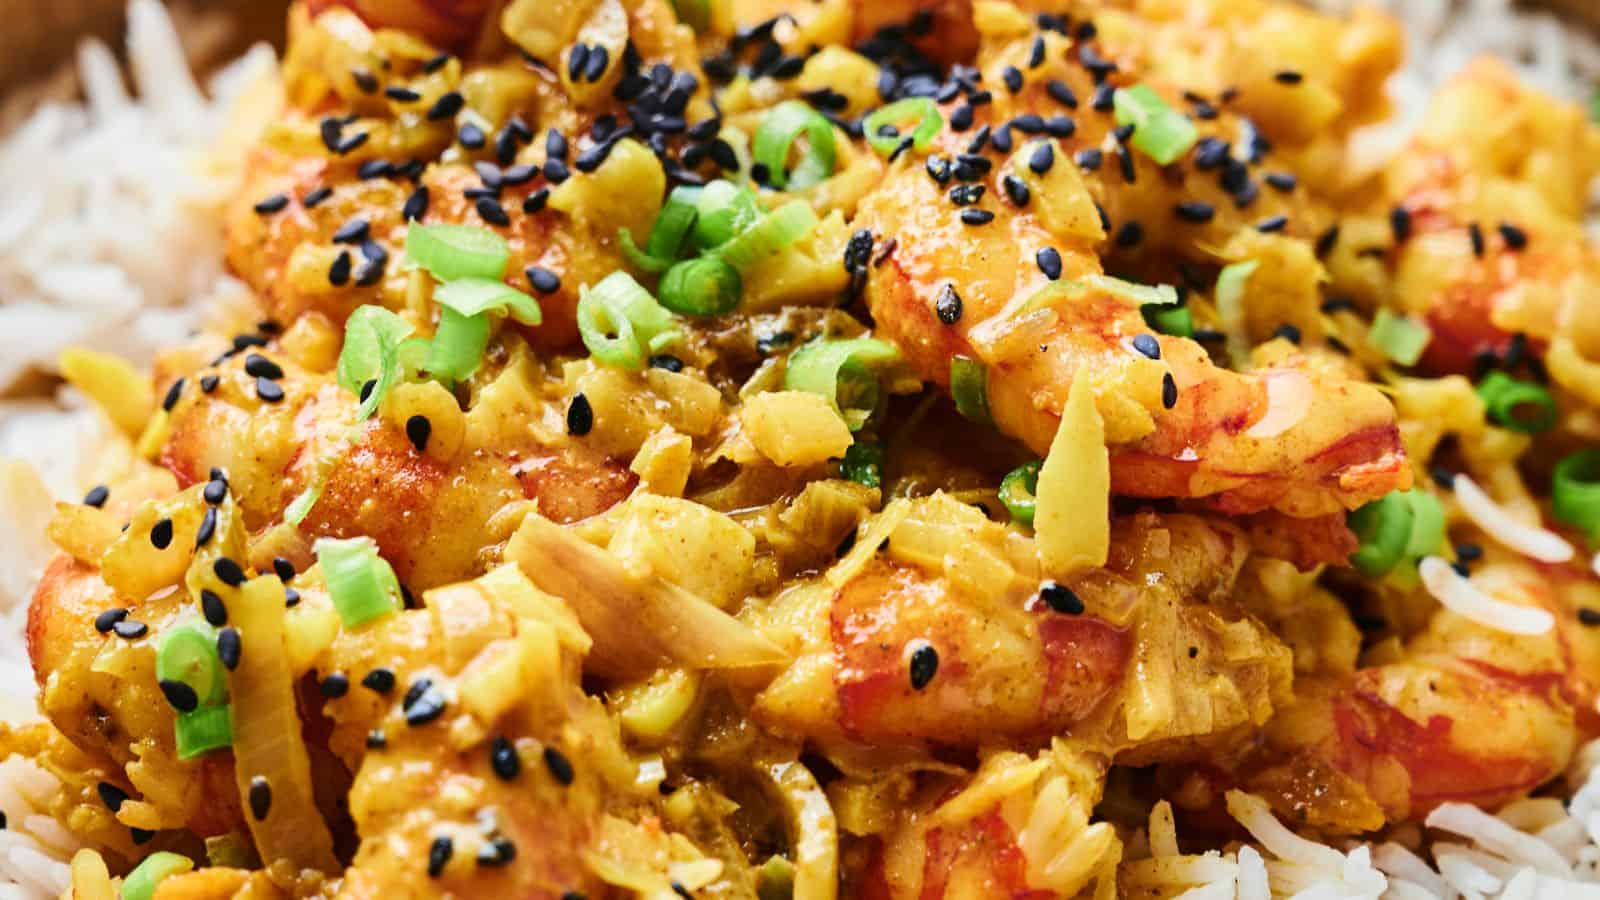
1539 543
1252 875
1462 597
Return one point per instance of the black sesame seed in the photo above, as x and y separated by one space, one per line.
1060 126
667 362
1288 76
215 611
1028 123
543 280
446 106
497 851
374 168
948 305
974 216
140 836
1211 153
436 63
291 598
215 491
161 534
556 171
858 249
228 572
1012 76
1016 190
339 271
208 527
1129 234
1061 598
1125 163
1123 133
1103 99
111 795
1049 261
1288 332
1001 139
108 619
208 383
1169 391
1060 92
1194 211
173 393
1443 477
966 194
1042 157
961 118
1036 53
260 797
1209 336
535 201
418 430
268 390
1283 181
492 212
1589 616
262 367
580 416
1088 159
1400 223
365 80
284 568
229 647
401 94
900 150
1475 234
1327 239
439 853
273 204
1515 237
376 739
97 496
380 681
179 695
559 766
366 389
1468 552
423 703
924 665
503 759
471 136
128 629
595 66
334 686
1147 345
1272 224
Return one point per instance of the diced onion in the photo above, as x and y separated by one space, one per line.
844 372
1402 339
1462 597
1538 543
140 884
450 252
1159 131
922 110
1072 521
777 134
372 337
361 584
1575 491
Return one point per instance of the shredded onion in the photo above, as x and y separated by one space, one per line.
1289 396
1539 543
1461 596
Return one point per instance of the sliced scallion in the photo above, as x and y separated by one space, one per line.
1229 297
621 324
706 286
777 135
724 209
969 387
668 236
361 584
457 346
1516 404
140 884
1575 491
919 114
203 730
372 337
1018 489
1159 131
1384 529
477 296
1177 321
1401 338
450 252
843 371
863 464
769 234
187 653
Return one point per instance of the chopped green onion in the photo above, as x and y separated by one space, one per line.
621 324
1402 339
724 210
450 252
1161 132
969 386
372 337
1141 295
701 287
921 109
140 884
1575 491
300 506
1229 297
694 13
668 235
1017 492
457 346
360 583
476 296
842 371
777 135
1594 106
769 234
1516 404
863 464
1427 525
1177 321
188 654
203 730
1384 528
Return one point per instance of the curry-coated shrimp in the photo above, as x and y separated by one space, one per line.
1245 442
898 653
448 23
1463 712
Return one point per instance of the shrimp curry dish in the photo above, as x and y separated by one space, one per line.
837 449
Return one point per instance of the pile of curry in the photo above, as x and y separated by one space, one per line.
849 448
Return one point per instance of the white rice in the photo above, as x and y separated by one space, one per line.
1461 596
109 238
1530 540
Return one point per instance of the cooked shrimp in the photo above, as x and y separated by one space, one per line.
899 654
1460 712
448 23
